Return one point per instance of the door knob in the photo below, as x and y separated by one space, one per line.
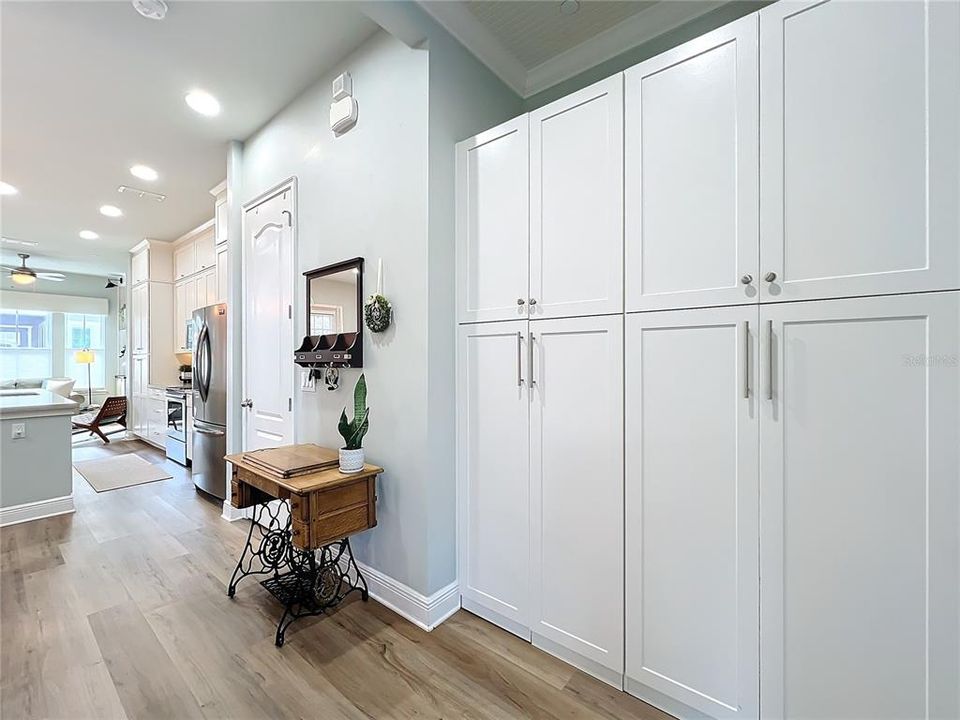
248 403
746 279
520 301
770 276
533 301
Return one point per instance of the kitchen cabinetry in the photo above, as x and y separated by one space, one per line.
576 203
692 538
494 440
194 252
860 507
692 173
184 261
223 274
220 213
859 135
576 491
205 254
492 224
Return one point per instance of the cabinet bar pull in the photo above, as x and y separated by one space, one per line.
519 360
530 349
769 359
746 359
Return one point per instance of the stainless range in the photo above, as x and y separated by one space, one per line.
177 418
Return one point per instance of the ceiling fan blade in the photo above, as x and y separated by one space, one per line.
9 267
51 276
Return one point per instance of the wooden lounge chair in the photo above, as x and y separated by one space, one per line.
112 412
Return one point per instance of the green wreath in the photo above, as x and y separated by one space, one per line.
377 313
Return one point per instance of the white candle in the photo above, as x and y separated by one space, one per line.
380 276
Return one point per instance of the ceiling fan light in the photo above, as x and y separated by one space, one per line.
19 277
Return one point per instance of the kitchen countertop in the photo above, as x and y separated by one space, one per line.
34 402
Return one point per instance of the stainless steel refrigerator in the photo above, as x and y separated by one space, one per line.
210 399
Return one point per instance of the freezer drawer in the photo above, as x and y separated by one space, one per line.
209 468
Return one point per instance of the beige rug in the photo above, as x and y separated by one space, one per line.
119 472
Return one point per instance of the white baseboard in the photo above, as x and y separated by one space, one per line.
426 612
36 510
231 514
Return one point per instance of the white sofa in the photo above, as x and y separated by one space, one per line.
60 386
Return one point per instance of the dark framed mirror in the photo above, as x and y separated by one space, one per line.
334 317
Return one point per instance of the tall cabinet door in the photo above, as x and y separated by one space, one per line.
576 486
493 407
860 508
492 224
860 148
692 173
692 535
576 203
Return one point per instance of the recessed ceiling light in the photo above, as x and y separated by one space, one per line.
569 7
7 189
203 102
151 9
110 211
88 235
144 172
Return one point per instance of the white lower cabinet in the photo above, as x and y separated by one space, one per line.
576 491
494 468
860 508
692 536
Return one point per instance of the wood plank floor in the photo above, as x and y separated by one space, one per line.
120 611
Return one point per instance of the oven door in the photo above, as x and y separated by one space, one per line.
177 418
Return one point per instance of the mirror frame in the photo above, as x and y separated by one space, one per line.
310 275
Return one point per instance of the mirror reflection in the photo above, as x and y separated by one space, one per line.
333 303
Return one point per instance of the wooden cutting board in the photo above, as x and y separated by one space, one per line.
291 460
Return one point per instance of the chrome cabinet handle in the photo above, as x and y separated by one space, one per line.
746 279
746 359
769 359
770 276
248 403
530 357
519 360
520 301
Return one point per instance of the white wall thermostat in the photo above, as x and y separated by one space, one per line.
342 86
343 115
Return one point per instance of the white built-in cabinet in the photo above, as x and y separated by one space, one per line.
223 273
708 375
197 278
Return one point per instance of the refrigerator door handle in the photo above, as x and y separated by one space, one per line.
203 361
208 432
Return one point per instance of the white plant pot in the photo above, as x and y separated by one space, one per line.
351 461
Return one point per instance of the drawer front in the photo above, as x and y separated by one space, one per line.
333 501
339 525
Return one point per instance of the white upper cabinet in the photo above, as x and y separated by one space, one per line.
576 491
576 203
860 130
494 468
492 224
139 267
184 261
206 256
860 507
692 503
692 173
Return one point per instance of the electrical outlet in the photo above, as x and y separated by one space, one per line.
18 430
307 381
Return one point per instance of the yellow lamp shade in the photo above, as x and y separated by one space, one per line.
83 357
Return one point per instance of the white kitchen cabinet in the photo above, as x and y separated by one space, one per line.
576 203
860 508
576 491
223 273
860 129
184 261
692 173
139 268
493 224
692 535
493 429
205 253
220 220
207 287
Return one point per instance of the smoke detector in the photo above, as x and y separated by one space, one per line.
151 9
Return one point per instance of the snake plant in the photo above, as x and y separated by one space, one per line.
354 430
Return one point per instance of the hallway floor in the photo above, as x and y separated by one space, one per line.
120 611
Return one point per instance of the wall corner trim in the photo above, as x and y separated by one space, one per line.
37 510
232 514
426 612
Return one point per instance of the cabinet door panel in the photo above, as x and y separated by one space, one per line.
860 145
577 491
860 508
205 251
692 539
492 224
222 274
576 203
493 408
692 173
184 261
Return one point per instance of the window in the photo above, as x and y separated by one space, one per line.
25 344
85 332
325 319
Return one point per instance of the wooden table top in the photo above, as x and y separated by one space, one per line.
303 484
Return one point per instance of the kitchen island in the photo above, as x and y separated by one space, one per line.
35 465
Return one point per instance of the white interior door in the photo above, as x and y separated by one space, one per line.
493 427
692 500
268 339
577 491
859 147
860 508
576 203
692 173
493 198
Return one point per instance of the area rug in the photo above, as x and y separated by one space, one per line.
119 472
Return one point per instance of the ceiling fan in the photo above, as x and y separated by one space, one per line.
25 276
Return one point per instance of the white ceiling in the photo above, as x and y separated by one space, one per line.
88 89
531 45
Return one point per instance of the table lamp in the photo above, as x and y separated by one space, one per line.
85 357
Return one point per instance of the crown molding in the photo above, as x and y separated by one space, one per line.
634 31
